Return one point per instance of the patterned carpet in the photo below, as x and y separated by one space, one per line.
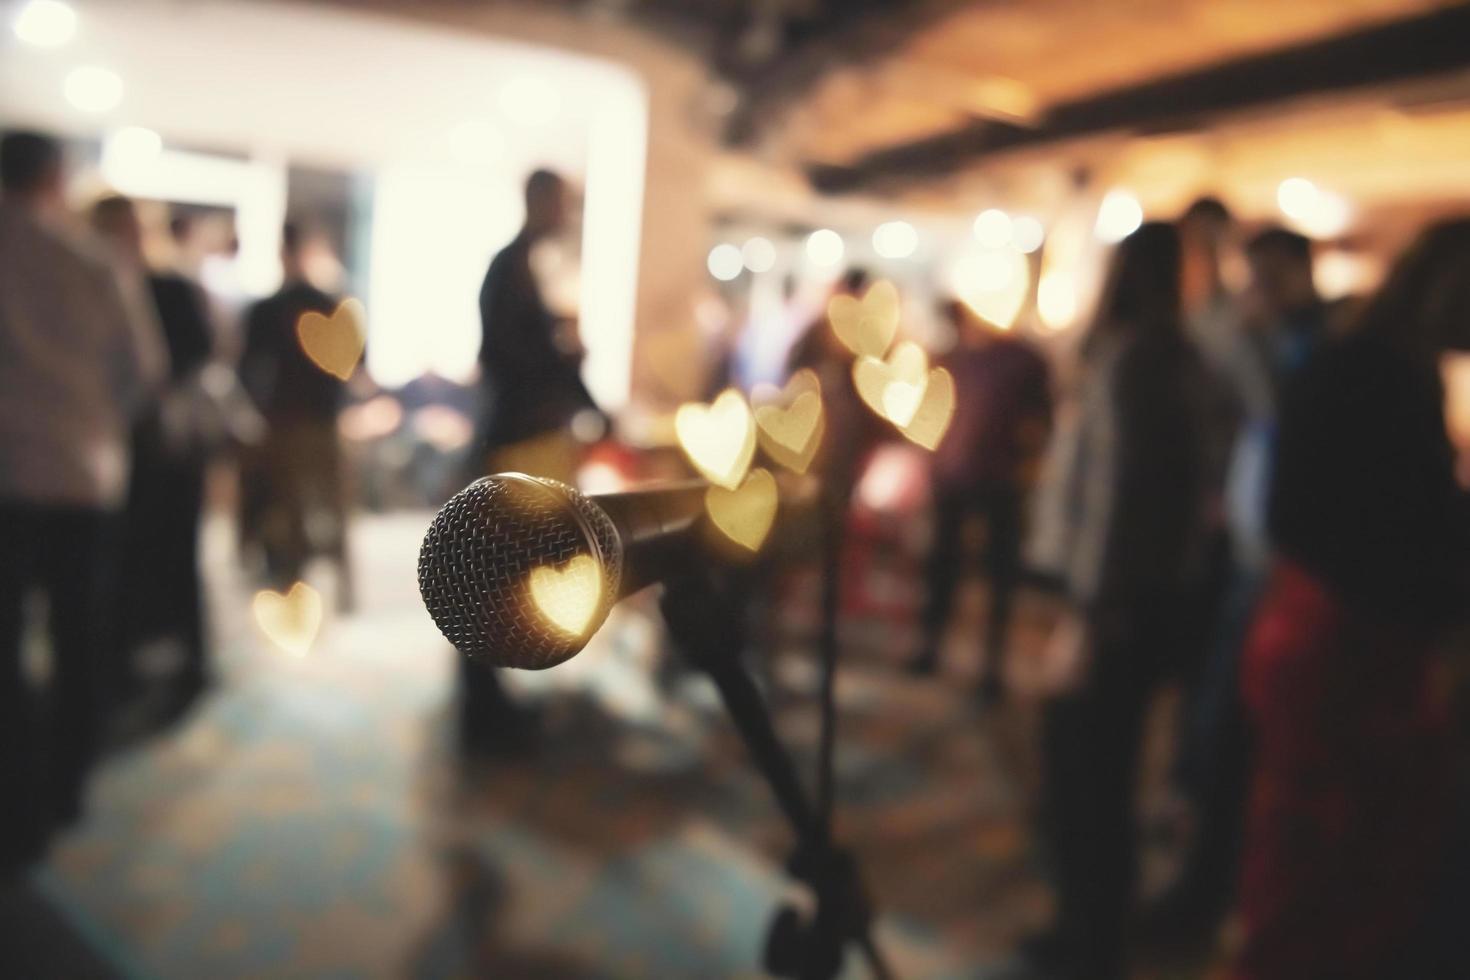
307 818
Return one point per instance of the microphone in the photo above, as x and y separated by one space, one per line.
520 571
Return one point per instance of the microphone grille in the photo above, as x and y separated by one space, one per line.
479 556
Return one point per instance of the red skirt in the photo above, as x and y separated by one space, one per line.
1349 793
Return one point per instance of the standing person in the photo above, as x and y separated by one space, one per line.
529 357
160 528
1002 412
78 355
1372 534
1209 769
529 362
1122 524
1283 322
294 497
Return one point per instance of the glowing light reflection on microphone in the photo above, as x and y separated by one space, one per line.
568 597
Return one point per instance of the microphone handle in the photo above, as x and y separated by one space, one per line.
653 527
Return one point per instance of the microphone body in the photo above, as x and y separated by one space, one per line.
653 527
520 571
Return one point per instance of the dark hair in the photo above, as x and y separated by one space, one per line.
1280 242
1142 290
1206 208
542 181
110 209
27 160
1427 292
292 237
855 280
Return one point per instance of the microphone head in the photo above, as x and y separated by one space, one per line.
519 571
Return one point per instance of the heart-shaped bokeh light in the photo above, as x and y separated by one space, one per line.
866 326
931 419
791 424
291 620
745 515
568 596
994 284
334 343
718 438
893 388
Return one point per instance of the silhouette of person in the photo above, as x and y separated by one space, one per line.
294 498
1349 798
1122 522
529 356
79 356
532 390
1002 411
160 533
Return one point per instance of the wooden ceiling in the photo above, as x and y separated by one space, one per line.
870 95
1013 61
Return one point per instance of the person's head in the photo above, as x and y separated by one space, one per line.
1424 303
293 252
1142 290
546 203
1206 217
115 219
854 281
31 168
1204 230
1280 264
181 229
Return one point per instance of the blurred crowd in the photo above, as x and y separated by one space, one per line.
1247 494
119 389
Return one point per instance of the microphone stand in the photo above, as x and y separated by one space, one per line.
710 636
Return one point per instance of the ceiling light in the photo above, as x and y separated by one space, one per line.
824 247
1118 216
93 89
993 228
1027 234
758 255
1319 213
895 240
725 262
45 23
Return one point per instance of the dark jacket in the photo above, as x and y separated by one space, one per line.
281 379
532 387
1364 494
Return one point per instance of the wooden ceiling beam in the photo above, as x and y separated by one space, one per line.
1415 47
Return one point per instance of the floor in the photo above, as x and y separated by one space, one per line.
307 818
